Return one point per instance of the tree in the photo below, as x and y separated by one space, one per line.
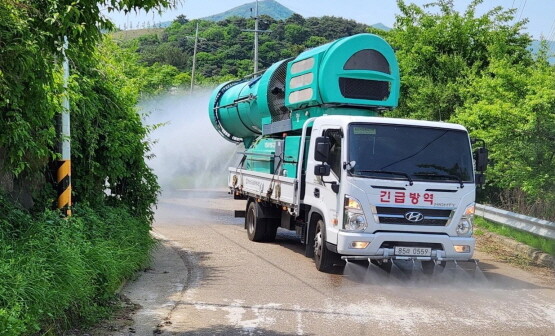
181 19
295 19
315 41
439 52
332 28
295 34
512 108
32 34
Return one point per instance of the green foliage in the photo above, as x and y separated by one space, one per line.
544 244
225 50
295 34
57 272
479 71
511 107
80 21
108 135
441 52
107 132
28 93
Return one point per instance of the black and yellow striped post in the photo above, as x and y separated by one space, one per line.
63 175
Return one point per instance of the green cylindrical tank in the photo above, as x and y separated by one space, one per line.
355 75
238 108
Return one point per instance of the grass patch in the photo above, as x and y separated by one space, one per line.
57 273
544 244
126 35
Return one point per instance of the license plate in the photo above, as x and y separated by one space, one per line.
413 251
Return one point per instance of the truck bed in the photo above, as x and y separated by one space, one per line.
274 188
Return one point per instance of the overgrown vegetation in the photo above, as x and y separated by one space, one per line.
543 244
57 272
60 272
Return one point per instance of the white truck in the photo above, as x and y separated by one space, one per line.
354 186
373 188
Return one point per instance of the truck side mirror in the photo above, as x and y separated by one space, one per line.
322 170
322 149
481 157
479 179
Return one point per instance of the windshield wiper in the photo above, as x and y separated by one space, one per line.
388 172
453 177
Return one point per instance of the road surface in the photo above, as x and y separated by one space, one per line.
207 278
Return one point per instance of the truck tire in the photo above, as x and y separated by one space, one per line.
323 258
271 226
256 227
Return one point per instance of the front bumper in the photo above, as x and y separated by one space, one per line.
376 250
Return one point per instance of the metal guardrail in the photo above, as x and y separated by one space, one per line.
533 225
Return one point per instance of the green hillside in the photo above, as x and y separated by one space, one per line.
271 8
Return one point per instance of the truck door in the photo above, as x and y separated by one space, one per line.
324 191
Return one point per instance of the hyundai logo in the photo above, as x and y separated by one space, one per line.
414 216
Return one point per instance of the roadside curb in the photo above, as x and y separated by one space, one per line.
156 291
534 255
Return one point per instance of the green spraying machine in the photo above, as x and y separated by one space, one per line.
356 75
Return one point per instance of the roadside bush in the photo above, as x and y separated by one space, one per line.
56 272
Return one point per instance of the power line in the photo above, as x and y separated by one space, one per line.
551 32
522 11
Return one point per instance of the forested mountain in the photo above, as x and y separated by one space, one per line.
225 49
271 8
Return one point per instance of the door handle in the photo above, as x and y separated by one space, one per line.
316 192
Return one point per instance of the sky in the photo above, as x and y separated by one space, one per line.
541 13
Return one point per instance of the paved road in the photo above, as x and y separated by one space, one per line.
209 279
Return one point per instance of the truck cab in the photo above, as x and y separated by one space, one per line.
391 188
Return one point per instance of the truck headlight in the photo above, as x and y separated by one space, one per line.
353 216
464 228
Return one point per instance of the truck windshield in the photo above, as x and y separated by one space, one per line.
422 153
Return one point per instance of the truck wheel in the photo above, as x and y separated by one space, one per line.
271 227
323 258
256 227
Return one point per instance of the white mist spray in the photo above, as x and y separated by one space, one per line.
188 152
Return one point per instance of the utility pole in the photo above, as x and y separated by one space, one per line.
63 174
194 60
256 31
256 39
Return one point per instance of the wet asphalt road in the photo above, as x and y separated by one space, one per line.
209 279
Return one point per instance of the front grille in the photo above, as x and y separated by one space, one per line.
396 216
